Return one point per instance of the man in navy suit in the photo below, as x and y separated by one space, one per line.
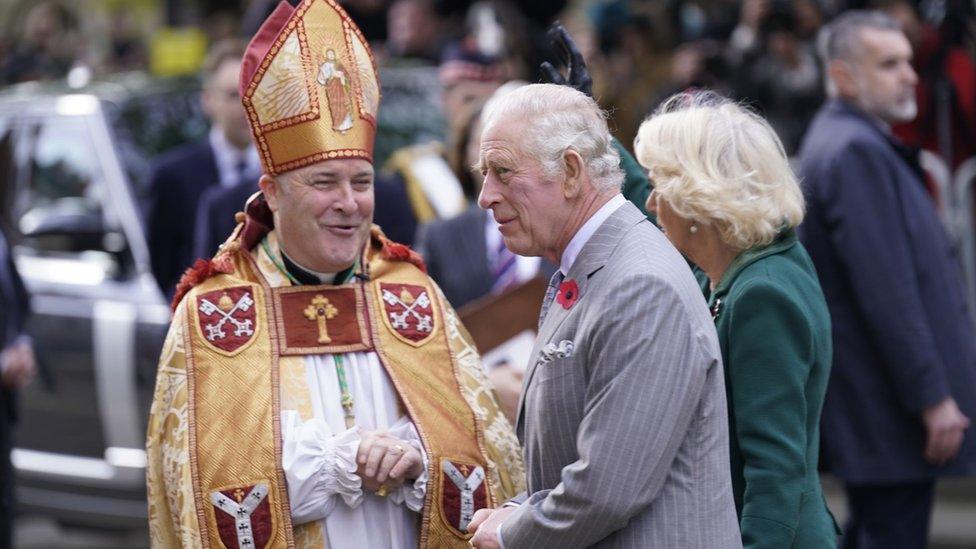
17 367
226 158
903 383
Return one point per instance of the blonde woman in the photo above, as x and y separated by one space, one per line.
725 196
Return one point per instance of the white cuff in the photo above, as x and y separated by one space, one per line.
341 477
318 465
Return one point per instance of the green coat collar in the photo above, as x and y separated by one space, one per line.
784 241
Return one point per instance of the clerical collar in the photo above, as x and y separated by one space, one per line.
312 278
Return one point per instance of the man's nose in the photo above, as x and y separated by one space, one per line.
911 77
344 200
487 195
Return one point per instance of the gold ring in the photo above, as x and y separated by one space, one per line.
383 491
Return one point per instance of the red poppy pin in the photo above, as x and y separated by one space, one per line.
568 293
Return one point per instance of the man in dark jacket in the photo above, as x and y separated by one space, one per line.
17 366
903 384
226 158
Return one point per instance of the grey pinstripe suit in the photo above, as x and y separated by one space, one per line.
626 439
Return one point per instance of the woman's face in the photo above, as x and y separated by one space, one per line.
675 227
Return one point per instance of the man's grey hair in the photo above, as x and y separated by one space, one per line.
555 119
841 38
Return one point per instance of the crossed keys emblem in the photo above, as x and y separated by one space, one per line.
241 511
224 309
466 485
425 323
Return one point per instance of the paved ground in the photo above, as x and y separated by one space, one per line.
953 524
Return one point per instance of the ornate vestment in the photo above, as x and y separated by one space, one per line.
229 366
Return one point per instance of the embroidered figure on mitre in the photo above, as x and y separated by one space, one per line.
334 76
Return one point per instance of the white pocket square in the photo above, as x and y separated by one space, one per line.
552 350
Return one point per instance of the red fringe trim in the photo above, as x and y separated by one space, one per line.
394 251
201 270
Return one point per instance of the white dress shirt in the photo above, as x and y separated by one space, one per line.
319 457
229 157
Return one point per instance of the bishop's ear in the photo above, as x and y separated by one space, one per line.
271 188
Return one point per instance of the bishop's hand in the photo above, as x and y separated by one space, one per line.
386 461
577 76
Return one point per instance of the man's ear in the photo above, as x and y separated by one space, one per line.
271 188
574 170
841 73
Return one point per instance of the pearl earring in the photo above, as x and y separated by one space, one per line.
693 229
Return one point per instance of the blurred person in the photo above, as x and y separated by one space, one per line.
635 187
632 59
414 31
47 46
226 158
126 49
725 196
945 61
17 366
776 68
694 65
625 395
315 388
903 383
467 77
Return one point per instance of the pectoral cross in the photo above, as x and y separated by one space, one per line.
320 310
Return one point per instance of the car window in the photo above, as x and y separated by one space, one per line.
60 201
148 123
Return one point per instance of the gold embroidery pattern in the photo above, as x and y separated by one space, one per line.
172 514
283 91
364 73
505 468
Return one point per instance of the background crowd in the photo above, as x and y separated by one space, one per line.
761 53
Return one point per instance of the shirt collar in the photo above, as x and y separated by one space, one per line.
584 233
228 157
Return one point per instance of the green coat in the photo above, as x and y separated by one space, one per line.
774 330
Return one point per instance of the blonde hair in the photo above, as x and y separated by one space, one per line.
719 164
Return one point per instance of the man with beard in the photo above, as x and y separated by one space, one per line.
903 383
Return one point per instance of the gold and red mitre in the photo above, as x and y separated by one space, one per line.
310 88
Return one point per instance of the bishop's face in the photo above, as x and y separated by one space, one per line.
323 212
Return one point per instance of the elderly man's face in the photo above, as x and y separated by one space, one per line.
531 210
884 77
323 212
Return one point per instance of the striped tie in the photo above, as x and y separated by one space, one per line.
554 282
504 269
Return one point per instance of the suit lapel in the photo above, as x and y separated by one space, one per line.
593 257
